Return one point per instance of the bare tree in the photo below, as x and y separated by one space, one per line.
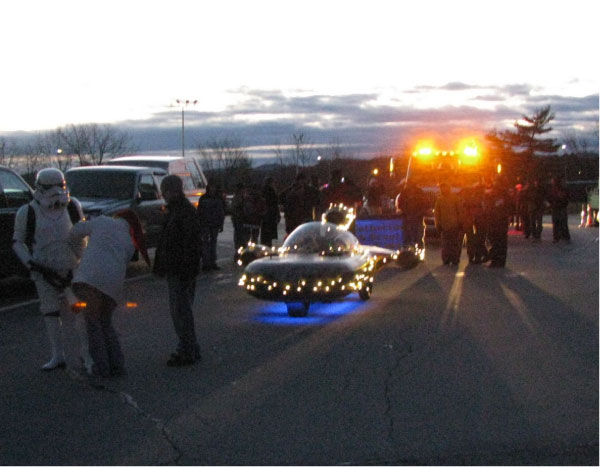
37 154
301 154
225 158
91 143
77 141
107 140
279 154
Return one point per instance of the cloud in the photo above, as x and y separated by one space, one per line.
515 89
366 122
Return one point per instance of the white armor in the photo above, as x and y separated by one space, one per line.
50 249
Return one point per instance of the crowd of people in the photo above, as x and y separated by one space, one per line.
479 217
255 212
88 260
81 266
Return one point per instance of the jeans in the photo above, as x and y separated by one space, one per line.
103 340
536 223
560 224
451 246
181 298
208 236
498 237
413 232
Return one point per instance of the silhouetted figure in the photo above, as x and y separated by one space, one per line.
211 213
559 200
268 229
178 259
448 218
498 210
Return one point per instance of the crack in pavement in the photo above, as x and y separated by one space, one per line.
128 400
422 357
388 385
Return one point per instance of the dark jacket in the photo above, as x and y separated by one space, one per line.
558 198
178 251
412 202
211 211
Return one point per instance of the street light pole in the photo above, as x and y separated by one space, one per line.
183 103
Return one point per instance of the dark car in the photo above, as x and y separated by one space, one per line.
14 193
108 189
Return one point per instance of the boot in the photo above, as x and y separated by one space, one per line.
54 329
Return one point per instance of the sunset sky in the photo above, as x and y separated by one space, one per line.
331 66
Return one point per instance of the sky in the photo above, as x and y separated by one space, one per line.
364 71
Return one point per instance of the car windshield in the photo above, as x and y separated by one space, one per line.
100 184
321 238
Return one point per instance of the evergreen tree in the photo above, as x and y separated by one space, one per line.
526 140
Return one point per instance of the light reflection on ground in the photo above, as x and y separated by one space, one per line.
275 313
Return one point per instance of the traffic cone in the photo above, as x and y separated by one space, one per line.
590 216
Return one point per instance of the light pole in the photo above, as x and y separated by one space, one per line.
183 104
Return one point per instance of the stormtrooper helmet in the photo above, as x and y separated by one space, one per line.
51 189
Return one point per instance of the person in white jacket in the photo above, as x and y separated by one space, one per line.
40 241
98 282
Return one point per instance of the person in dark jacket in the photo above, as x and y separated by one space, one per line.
448 219
211 212
475 225
298 203
535 198
268 229
253 210
498 209
559 200
178 259
411 203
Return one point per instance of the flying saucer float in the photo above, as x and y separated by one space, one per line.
318 262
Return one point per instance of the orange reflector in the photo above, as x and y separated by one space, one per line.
131 305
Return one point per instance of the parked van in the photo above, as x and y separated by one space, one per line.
188 168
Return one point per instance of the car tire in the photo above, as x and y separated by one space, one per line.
297 309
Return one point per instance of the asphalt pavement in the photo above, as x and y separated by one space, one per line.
444 365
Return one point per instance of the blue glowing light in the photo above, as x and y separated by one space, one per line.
275 313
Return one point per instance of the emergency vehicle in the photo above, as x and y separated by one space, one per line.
464 165
461 166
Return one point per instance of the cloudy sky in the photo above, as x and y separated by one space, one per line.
380 72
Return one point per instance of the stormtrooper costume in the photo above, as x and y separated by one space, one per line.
50 257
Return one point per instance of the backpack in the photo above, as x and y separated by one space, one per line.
30 226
